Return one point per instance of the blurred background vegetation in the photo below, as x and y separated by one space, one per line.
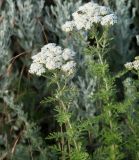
25 26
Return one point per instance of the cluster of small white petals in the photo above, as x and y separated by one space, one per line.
88 14
52 57
129 65
133 65
37 68
136 64
69 67
110 19
68 54
68 26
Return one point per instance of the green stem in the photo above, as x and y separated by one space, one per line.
65 110
107 89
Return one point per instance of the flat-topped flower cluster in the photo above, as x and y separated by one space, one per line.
133 65
88 14
53 57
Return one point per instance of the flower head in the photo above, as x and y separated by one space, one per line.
129 65
68 54
136 64
51 57
110 19
105 10
69 67
37 68
89 14
68 26
133 65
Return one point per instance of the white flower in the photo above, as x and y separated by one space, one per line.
89 14
137 58
69 67
51 57
110 19
133 65
96 19
39 58
52 65
47 47
51 49
68 26
68 54
105 10
37 68
136 64
129 65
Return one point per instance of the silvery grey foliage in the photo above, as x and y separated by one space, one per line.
57 15
6 21
17 119
129 88
19 19
4 43
28 27
137 37
83 103
6 31
125 31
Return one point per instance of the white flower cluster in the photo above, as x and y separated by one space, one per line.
88 14
53 57
133 65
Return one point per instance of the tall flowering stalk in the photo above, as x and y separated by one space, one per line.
103 132
97 20
58 65
131 85
105 98
89 14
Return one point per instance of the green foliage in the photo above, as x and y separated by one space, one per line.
110 112
86 116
